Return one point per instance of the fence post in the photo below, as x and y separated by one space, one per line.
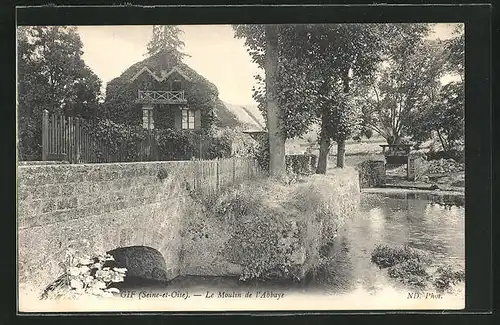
217 171
45 134
77 139
234 170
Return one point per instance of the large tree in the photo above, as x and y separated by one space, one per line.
444 118
342 54
407 84
276 138
51 75
283 96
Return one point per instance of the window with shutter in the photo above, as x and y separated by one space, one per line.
187 119
147 119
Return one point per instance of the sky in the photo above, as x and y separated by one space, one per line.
214 53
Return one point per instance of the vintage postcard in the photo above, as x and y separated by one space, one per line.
241 167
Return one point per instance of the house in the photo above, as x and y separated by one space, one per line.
159 93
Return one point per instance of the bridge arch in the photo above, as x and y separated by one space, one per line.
141 262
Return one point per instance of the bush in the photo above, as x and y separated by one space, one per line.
122 141
411 267
411 272
457 155
262 153
276 230
263 236
447 276
385 256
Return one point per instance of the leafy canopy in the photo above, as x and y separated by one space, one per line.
51 75
408 83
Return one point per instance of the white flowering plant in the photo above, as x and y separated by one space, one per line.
84 275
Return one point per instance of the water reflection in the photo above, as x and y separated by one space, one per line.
395 221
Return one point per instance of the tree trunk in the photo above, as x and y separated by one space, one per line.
341 142
340 153
324 149
276 139
443 142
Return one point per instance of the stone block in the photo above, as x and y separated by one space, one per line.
53 190
65 203
49 205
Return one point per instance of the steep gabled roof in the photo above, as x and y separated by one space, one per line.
144 69
162 78
162 61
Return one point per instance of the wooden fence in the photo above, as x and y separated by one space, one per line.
71 139
209 176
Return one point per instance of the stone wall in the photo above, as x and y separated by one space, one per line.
94 208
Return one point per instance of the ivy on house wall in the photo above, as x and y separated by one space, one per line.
200 93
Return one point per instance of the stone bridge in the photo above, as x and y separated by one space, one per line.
95 208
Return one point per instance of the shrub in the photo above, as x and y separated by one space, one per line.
85 276
262 153
411 272
177 144
315 200
262 236
447 276
385 256
276 230
121 141
457 155
217 147
411 267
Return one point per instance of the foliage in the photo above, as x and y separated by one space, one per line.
412 267
456 53
298 164
262 153
386 256
177 144
239 143
457 155
445 117
85 276
51 75
167 38
411 272
120 140
340 118
183 144
296 110
317 199
316 64
447 277
262 237
406 86
121 94
276 230
218 147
